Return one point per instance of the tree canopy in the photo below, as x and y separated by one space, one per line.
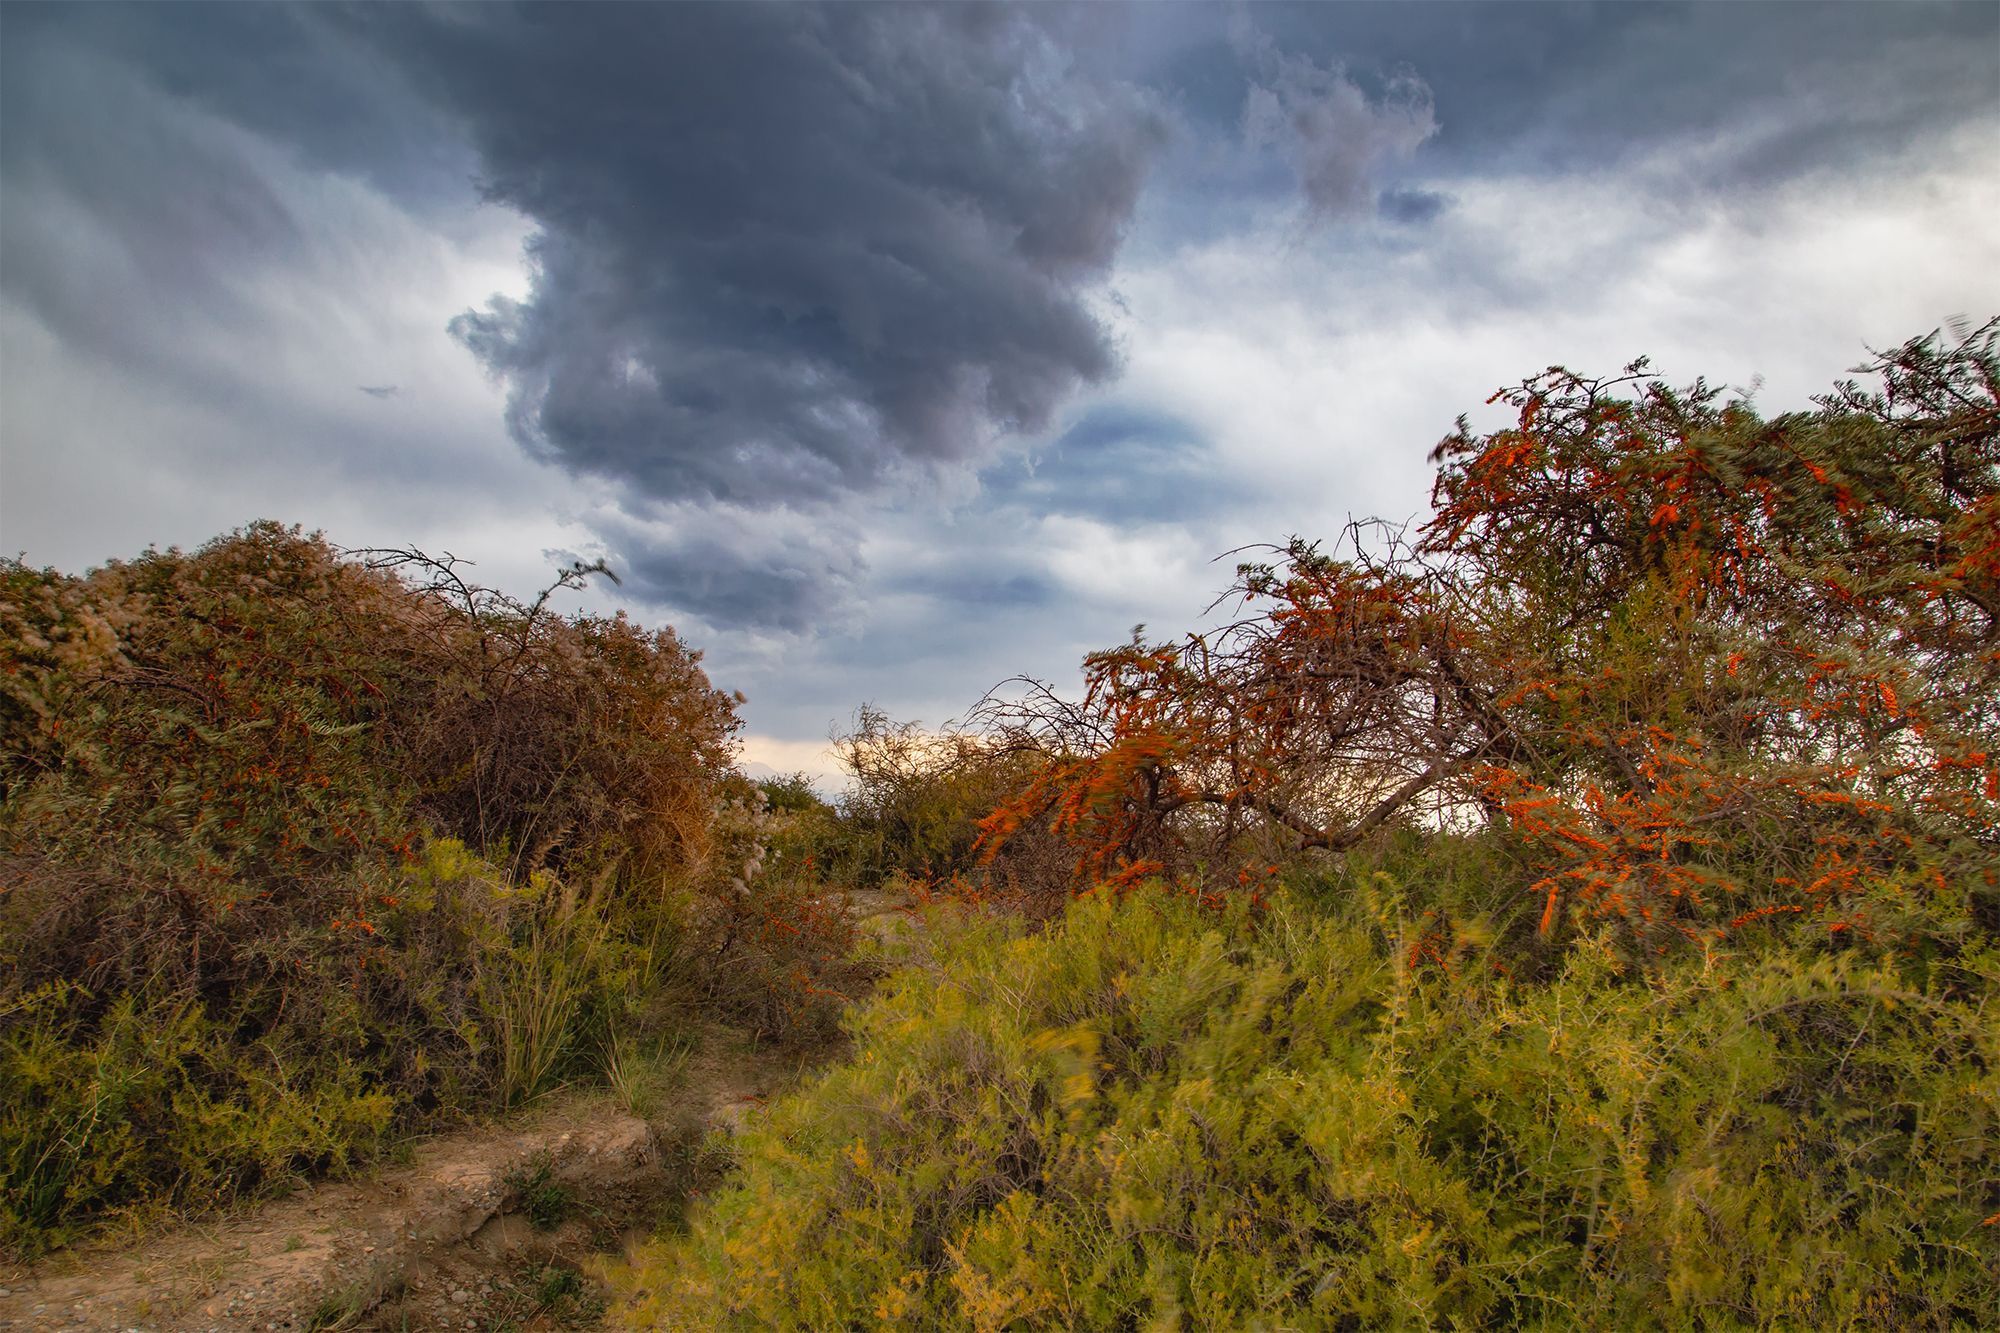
1702 669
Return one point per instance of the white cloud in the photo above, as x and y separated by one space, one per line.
1118 566
769 756
1323 374
237 392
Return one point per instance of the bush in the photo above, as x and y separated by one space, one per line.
296 851
164 1101
913 810
1707 672
1157 1115
778 934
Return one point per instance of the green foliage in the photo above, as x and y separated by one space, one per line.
560 1298
781 934
544 1199
554 1283
339 1309
793 794
805 834
162 1102
1157 1115
642 1073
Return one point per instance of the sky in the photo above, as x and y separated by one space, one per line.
889 352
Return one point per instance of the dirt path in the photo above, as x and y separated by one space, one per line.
482 1228
487 1228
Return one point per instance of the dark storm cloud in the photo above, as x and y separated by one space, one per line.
790 258
980 589
282 71
787 254
120 225
745 590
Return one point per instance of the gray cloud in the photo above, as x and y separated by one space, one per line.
290 72
787 255
980 588
803 248
1566 86
763 568
113 198
1118 464
1412 208
189 306
1336 138
789 260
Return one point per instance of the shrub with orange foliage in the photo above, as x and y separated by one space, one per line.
1695 668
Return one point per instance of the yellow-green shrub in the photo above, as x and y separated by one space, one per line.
164 1105
1155 1116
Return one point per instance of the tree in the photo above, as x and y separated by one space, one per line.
1698 668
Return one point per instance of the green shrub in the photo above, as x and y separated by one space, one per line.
1157 1116
545 1199
163 1105
776 936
